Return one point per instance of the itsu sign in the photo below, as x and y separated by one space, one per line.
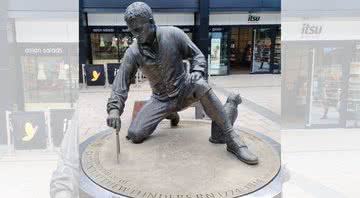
310 29
253 18
334 29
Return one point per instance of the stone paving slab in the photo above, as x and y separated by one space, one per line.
321 162
26 178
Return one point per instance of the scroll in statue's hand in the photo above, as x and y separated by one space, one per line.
113 120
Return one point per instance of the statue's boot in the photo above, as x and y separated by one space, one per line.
215 110
217 135
235 145
174 119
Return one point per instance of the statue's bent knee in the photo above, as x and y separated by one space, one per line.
136 137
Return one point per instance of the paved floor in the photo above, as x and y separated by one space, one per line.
321 163
26 173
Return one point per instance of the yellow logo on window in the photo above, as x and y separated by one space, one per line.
30 132
95 75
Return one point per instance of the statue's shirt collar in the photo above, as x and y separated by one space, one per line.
150 49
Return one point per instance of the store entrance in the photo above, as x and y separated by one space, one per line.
255 49
241 50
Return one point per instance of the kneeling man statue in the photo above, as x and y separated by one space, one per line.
159 53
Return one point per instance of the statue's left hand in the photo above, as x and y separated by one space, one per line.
195 76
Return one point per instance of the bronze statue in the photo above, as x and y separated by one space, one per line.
231 112
158 52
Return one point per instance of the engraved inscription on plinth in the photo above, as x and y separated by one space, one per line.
178 163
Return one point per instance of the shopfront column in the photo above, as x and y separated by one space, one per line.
84 41
202 28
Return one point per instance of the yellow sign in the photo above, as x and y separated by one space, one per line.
95 75
30 131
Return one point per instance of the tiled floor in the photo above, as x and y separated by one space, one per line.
321 163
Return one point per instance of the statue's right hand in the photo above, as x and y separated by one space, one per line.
113 119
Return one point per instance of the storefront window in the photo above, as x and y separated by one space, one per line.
325 87
104 47
321 88
109 47
218 59
49 82
109 44
262 50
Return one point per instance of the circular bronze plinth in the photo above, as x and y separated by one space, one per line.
178 163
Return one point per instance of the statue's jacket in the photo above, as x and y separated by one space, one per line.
162 64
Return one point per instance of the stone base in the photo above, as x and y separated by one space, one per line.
177 163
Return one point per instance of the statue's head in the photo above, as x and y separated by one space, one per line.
140 21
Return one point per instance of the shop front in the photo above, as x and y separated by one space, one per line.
245 42
110 37
46 63
49 75
238 42
109 43
321 85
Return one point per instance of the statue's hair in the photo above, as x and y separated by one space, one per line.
138 10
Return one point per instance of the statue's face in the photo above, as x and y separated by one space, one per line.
142 30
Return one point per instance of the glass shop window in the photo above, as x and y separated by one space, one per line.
104 47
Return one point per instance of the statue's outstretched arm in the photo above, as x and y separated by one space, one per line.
121 85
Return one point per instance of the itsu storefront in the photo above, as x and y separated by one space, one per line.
245 43
321 83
